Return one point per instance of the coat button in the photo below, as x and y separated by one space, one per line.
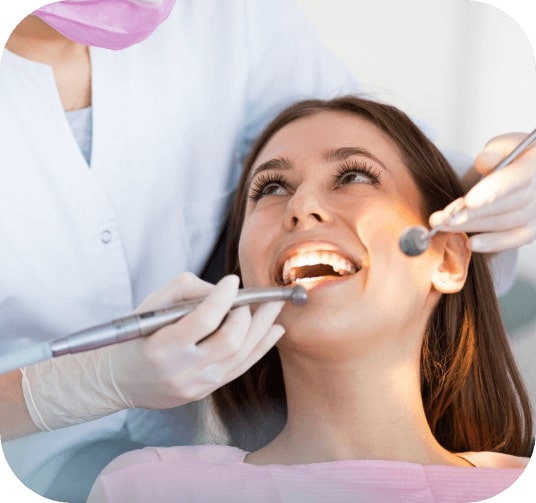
106 236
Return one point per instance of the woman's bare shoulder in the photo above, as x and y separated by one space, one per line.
487 459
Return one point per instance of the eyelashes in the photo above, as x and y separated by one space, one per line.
347 173
356 172
267 184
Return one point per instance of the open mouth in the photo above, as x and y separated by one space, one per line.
312 266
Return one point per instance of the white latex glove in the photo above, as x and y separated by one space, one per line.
167 369
501 207
180 368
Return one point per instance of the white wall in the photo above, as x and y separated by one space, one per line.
463 66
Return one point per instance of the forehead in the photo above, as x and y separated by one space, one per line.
314 133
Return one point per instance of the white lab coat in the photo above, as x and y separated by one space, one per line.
79 245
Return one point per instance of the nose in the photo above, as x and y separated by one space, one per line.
305 209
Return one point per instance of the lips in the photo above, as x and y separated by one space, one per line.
303 265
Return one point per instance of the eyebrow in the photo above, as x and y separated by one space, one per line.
343 153
278 164
330 155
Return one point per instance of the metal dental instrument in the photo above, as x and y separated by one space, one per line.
137 325
415 240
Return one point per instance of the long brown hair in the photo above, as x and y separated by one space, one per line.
471 389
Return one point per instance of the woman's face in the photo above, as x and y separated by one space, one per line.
328 198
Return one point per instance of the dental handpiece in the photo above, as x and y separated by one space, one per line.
138 325
416 240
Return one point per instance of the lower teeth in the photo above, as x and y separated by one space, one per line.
309 280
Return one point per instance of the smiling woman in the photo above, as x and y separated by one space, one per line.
395 381
358 206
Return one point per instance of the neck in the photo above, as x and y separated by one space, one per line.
354 410
36 40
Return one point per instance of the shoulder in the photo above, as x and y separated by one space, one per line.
486 459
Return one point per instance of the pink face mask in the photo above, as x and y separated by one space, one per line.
112 24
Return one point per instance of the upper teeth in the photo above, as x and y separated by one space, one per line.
339 264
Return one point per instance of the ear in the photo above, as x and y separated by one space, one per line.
451 273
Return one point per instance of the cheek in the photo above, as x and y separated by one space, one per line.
252 252
245 252
383 224
380 232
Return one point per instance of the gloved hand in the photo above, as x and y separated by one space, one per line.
169 368
501 207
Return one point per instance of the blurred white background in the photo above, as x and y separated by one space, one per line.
464 67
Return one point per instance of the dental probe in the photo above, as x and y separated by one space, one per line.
415 240
137 325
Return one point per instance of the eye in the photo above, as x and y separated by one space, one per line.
267 185
356 172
